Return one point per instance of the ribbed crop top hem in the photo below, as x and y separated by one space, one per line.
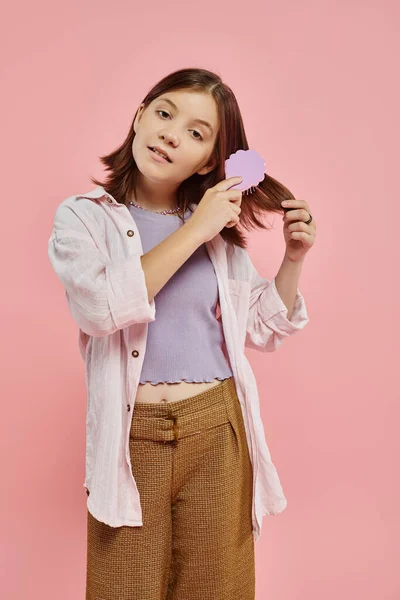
187 380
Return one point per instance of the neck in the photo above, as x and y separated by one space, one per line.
153 196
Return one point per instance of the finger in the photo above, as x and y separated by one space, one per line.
289 204
226 184
297 215
301 236
300 226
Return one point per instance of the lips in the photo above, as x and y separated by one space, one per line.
160 150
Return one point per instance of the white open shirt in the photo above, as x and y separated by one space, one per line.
95 250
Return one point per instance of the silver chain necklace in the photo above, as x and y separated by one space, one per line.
158 212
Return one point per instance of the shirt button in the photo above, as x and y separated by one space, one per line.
164 400
130 232
129 407
135 353
109 200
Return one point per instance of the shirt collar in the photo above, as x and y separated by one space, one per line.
99 193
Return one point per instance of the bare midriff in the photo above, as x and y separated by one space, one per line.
168 392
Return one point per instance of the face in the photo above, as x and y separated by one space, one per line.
177 130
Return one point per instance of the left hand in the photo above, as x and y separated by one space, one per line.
299 237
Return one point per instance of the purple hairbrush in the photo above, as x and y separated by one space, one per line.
247 164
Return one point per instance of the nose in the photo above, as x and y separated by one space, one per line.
170 137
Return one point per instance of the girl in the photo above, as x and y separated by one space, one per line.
178 471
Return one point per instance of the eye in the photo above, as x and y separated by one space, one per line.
199 138
165 112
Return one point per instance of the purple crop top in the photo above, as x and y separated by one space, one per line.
184 341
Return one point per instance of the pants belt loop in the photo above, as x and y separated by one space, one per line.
175 427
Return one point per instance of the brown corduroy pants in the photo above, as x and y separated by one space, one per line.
192 467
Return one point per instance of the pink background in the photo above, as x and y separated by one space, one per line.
317 86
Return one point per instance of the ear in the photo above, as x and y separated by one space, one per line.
137 118
208 167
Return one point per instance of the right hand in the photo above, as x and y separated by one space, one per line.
218 208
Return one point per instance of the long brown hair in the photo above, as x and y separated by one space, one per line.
231 137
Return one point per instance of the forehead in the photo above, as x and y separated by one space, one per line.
195 104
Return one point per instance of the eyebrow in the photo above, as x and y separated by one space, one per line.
206 123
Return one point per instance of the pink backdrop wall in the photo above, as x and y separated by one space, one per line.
317 87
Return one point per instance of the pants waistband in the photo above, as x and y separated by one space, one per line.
181 418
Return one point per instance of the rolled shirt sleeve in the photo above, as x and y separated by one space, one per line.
103 296
267 322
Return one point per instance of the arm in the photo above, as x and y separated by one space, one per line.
271 304
286 282
104 296
162 261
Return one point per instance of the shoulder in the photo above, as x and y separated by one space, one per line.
79 214
84 206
